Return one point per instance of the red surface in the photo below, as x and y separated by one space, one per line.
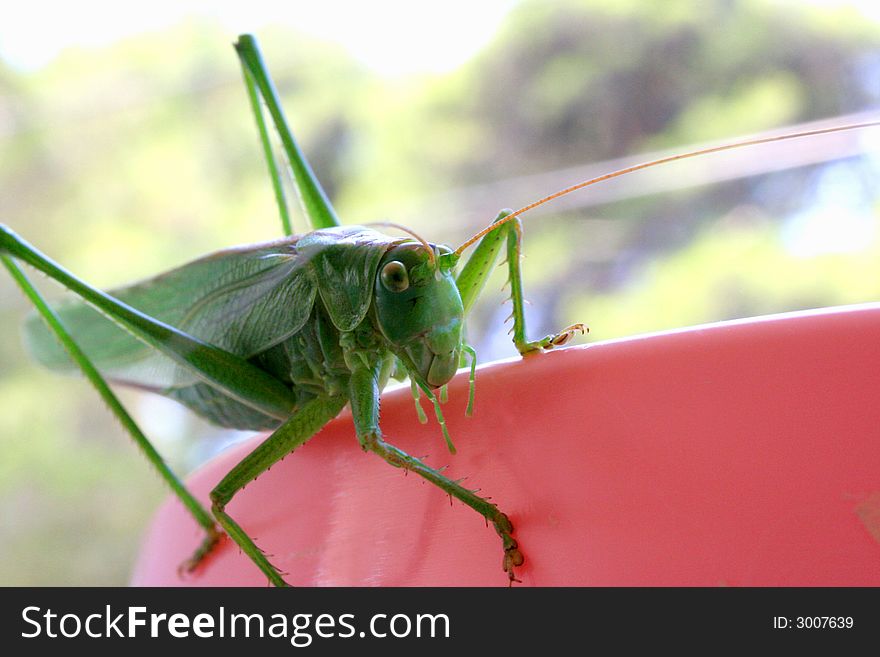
742 454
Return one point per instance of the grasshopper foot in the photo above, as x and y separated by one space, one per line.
212 540
566 334
513 557
554 340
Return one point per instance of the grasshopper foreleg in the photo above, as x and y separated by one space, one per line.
364 393
398 458
523 344
476 272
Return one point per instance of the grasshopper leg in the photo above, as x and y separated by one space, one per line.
513 557
364 394
514 254
301 426
195 508
476 272
314 201
206 547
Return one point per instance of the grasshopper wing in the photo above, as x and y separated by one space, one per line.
243 300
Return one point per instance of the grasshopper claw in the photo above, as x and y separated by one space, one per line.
207 546
513 557
551 341
565 335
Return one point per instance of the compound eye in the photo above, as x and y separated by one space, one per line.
394 276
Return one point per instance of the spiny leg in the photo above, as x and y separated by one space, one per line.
475 273
301 426
198 512
268 152
314 201
400 459
364 395
514 253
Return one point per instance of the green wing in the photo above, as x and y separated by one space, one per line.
243 300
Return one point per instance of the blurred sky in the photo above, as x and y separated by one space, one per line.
28 40
433 37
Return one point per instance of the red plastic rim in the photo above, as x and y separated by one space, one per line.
744 453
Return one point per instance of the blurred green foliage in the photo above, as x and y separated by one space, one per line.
123 161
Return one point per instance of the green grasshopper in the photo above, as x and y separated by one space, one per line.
282 335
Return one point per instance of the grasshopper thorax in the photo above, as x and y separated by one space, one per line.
419 309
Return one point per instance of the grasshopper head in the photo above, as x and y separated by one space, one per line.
419 309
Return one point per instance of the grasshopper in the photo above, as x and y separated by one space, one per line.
283 335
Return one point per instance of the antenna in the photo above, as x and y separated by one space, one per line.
653 163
